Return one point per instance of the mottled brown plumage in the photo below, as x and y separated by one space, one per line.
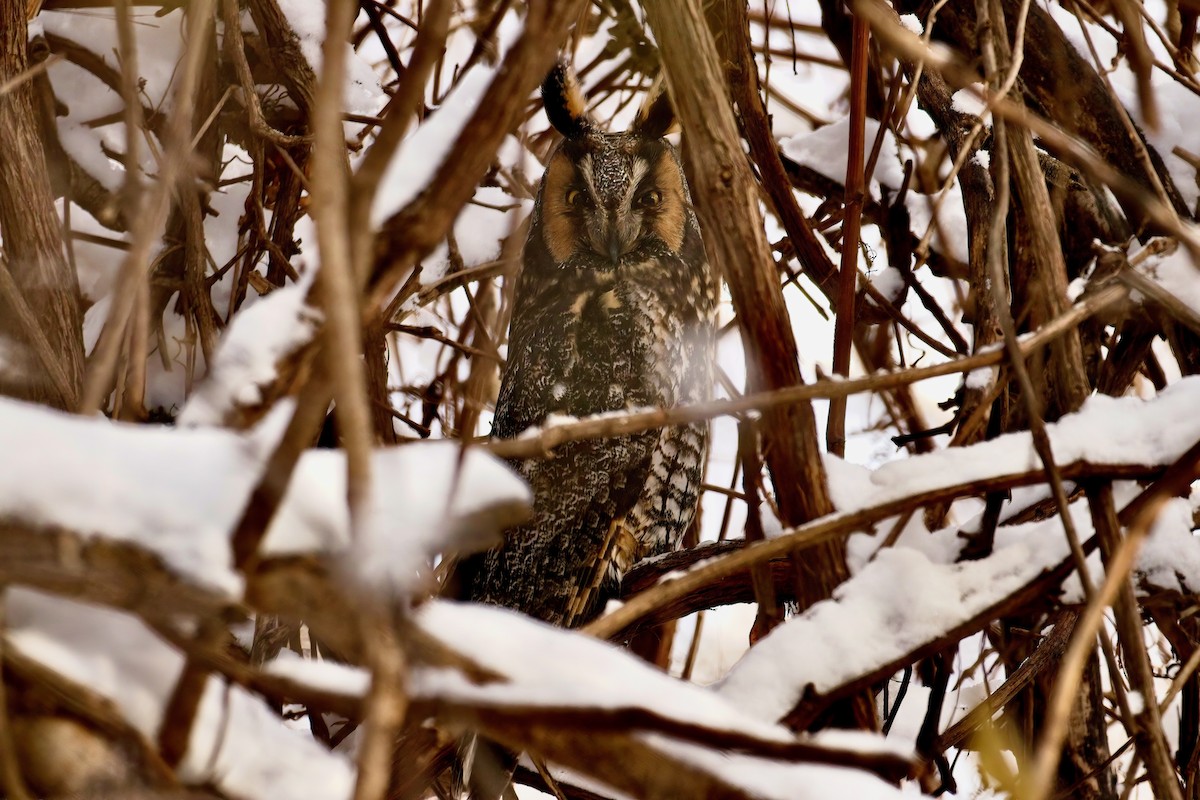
614 310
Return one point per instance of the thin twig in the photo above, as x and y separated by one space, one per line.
32 327
843 337
10 767
336 278
542 442
17 81
386 705
147 225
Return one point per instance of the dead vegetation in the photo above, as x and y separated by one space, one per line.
1069 212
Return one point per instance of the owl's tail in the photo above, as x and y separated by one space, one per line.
483 770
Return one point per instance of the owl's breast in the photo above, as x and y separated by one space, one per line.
630 346
591 342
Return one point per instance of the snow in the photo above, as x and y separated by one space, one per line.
912 23
1176 129
1178 274
320 674
894 604
967 101
422 502
363 92
724 641
950 230
160 41
846 480
824 150
173 491
237 742
913 593
979 379
1178 106
570 670
889 282
243 746
1169 558
777 780
179 492
479 230
582 673
95 647
427 147
1137 431
261 335
81 144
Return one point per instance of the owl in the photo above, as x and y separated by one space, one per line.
614 310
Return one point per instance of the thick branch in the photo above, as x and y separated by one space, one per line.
32 236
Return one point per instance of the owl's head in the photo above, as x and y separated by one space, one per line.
609 198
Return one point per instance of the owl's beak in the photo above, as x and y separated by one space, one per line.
618 238
612 235
615 246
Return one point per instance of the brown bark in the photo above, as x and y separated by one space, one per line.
727 203
1146 724
32 241
731 29
1039 277
415 230
1065 87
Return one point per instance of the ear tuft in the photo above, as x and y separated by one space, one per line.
566 107
656 117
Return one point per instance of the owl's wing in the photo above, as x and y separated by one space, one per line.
557 567
533 369
618 552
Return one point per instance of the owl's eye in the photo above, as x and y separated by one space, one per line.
578 199
650 199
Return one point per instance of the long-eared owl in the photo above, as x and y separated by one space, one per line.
614 310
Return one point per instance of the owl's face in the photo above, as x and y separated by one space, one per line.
610 197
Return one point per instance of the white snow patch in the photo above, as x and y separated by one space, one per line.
889 282
175 492
776 780
237 743
569 670
966 100
421 503
1178 274
1169 558
260 335
950 230
363 93
321 674
426 148
980 379
895 603
1136 432
912 23
178 492
824 150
